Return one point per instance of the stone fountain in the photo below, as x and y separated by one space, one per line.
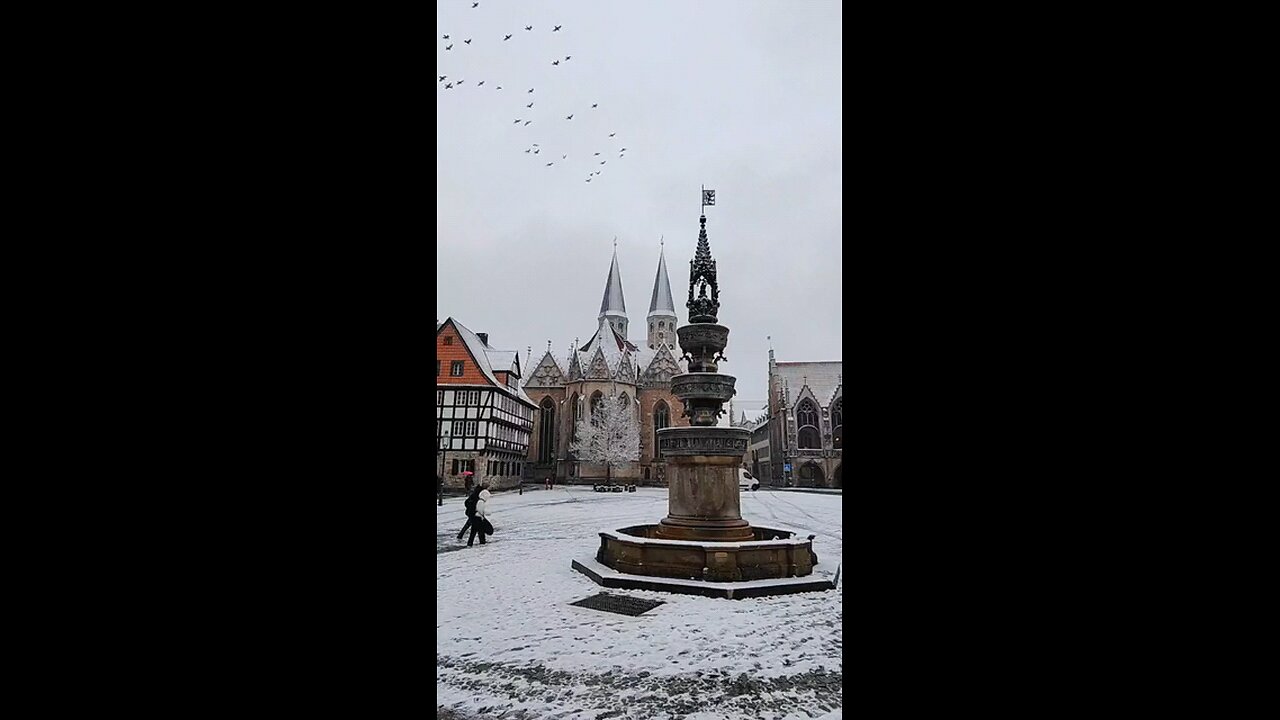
703 546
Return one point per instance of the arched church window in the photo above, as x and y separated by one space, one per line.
661 419
662 325
837 424
596 398
547 431
807 414
576 413
807 418
808 438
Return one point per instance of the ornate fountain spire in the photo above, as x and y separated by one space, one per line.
702 275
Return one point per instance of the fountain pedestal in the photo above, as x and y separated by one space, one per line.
702 478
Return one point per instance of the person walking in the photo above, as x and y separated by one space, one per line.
479 523
470 505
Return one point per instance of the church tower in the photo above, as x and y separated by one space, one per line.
662 310
612 307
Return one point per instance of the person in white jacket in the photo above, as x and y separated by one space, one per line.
478 526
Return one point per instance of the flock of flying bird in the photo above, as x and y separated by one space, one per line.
534 149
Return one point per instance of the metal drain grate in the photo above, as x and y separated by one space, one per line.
619 604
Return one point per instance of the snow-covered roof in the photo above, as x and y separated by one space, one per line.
822 378
501 359
485 356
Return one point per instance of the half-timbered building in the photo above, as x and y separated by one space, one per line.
483 417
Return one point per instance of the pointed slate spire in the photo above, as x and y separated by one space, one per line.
612 304
662 303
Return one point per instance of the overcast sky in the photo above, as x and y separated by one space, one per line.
743 97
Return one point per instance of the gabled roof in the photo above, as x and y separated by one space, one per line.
484 355
822 378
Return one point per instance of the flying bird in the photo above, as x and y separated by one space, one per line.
529 105
566 57
550 164
588 179
461 81
499 87
526 123
442 77
506 38
475 5
536 149
597 172
562 157
595 105
528 27
597 154
603 162
467 41
569 118
449 46
448 85
612 134
556 28
623 150
530 89
516 121
479 83
529 150
446 37
555 62
535 144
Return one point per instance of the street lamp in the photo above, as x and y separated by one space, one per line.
440 488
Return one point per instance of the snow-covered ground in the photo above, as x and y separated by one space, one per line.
511 646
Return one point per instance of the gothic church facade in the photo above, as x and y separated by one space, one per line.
610 363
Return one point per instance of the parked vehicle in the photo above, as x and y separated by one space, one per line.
747 481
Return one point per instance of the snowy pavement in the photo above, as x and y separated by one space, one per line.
511 646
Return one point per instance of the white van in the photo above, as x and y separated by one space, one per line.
747 481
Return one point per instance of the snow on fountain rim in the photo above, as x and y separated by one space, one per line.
708 544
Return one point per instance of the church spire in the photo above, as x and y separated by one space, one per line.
662 303
662 309
612 305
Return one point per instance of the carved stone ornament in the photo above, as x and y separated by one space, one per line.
702 277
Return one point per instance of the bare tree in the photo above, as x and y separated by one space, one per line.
610 436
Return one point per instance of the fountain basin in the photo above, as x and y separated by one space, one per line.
770 553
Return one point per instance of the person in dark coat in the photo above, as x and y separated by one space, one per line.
479 523
472 498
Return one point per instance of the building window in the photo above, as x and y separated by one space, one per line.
547 431
459 428
837 424
437 368
448 341
455 368
475 397
662 326
661 419
807 414
596 398
472 428
809 439
439 393
646 472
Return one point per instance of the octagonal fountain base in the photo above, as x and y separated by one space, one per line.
774 562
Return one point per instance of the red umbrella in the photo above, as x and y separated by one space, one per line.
467 472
